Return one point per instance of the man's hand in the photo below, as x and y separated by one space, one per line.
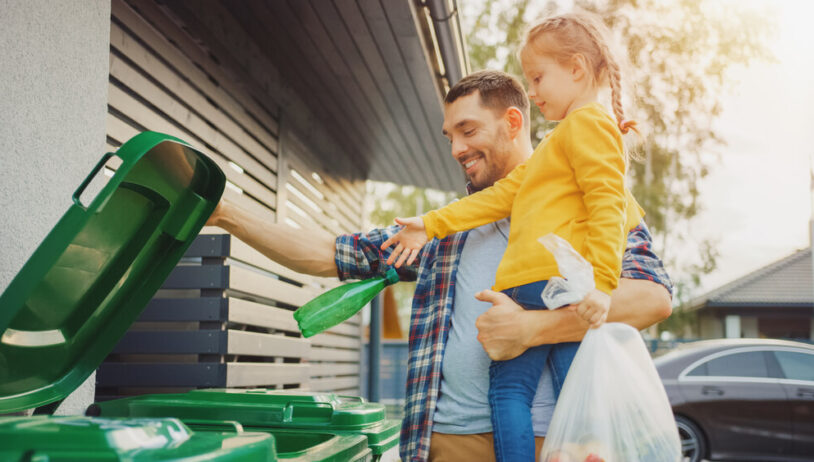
593 308
410 240
504 329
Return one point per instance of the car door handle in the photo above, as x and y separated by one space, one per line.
712 391
805 393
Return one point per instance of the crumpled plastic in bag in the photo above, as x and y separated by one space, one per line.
613 407
578 274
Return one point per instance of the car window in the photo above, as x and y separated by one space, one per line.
796 365
747 364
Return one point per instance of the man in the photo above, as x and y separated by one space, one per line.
486 118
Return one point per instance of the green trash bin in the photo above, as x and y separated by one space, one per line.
79 292
99 266
82 289
85 439
279 412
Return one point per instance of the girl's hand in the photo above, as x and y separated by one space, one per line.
410 240
593 308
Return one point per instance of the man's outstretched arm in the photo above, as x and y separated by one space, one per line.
303 250
506 330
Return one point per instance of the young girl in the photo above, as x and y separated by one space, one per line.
573 186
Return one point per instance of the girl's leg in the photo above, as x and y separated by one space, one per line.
512 385
560 359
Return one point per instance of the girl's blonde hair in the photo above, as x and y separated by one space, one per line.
584 34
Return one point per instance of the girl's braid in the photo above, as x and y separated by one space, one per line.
614 73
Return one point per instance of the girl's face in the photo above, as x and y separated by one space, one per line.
555 88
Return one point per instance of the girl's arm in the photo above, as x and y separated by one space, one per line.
595 150
480 208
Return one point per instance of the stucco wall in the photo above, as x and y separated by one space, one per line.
53 98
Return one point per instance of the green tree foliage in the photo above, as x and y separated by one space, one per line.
391 201
678 55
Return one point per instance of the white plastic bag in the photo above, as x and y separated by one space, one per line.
578 274
613 407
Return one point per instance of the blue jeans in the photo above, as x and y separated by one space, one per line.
513 383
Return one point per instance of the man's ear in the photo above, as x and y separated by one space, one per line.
514 120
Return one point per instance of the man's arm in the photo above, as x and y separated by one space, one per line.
303 250
506 330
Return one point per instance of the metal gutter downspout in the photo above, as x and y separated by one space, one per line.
447 27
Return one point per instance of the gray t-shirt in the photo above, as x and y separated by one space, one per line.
463 405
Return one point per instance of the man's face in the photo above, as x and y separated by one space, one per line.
480 140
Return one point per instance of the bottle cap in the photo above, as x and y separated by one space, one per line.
391 277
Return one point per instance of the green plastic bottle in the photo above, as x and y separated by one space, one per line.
340 303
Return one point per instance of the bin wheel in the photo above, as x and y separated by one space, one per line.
93 410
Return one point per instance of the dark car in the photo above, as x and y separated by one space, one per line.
742 399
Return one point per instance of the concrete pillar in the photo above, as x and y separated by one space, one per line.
749 326
53 104
710 326
732 326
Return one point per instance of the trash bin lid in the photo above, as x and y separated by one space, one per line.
99 266
303 445
78 438
262 409
378 438
253 407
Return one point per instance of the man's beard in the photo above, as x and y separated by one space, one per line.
473 186
491 172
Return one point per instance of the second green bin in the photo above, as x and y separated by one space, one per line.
276 411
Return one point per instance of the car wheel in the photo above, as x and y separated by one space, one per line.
693 444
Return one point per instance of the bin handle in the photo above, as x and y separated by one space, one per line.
90 178
234 426
288 411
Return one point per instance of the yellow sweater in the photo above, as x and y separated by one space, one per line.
572 186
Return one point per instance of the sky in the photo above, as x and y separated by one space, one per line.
757 201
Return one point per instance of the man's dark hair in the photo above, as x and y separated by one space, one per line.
498 91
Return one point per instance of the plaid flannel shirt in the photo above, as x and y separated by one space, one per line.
358 256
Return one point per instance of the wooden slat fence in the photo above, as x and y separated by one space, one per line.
223 317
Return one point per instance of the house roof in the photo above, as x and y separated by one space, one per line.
370 76
786 282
